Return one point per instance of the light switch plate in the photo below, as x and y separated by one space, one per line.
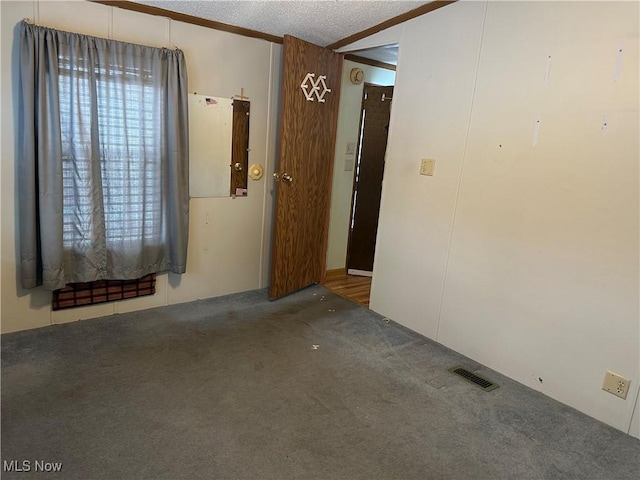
426 166
348 164
351 148
616 384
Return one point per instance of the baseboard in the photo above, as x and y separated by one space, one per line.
336 273
359 273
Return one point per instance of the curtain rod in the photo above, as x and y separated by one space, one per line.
31 22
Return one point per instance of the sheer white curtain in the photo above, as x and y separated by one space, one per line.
103 159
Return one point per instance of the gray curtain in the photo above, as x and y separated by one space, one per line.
102 159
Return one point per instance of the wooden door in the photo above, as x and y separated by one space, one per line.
240 147
376 110
308 121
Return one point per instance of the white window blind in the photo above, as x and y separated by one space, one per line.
121 180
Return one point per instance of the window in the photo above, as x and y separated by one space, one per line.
104 159
129 140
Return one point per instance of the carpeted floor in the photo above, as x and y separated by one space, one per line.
308 387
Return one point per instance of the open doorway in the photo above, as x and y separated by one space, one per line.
367 182
351 206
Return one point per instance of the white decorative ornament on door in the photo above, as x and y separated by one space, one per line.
315 86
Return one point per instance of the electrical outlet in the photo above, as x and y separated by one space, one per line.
616 384
426 166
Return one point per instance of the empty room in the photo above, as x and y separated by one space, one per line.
320 239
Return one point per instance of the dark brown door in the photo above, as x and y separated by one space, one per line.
240 147
376 110
308 119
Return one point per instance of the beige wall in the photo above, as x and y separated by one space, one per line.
229 238
348 124
523 257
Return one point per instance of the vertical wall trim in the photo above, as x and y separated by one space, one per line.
264 241
169 43
110 25
632 410
460 176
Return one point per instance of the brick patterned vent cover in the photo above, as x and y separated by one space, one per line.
90 293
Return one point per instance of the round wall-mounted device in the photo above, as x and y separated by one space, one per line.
356 76
256 171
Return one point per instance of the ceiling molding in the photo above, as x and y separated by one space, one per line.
182 17
416 12
369 61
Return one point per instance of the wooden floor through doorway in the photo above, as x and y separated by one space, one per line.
355 288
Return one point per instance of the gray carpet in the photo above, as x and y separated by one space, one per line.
233 388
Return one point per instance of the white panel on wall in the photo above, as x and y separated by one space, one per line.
546 237
21 309
221 63
226 254
210 131
223 252
225 239
634 430
542 268
134 27
77 17
82 313
429 119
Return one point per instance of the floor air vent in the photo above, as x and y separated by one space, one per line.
483 383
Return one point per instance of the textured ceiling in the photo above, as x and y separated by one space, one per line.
322 22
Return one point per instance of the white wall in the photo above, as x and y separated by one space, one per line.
228 238
523 257
344 165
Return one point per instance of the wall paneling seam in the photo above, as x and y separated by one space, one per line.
460 176
168 33
110 25
634 403
267 177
